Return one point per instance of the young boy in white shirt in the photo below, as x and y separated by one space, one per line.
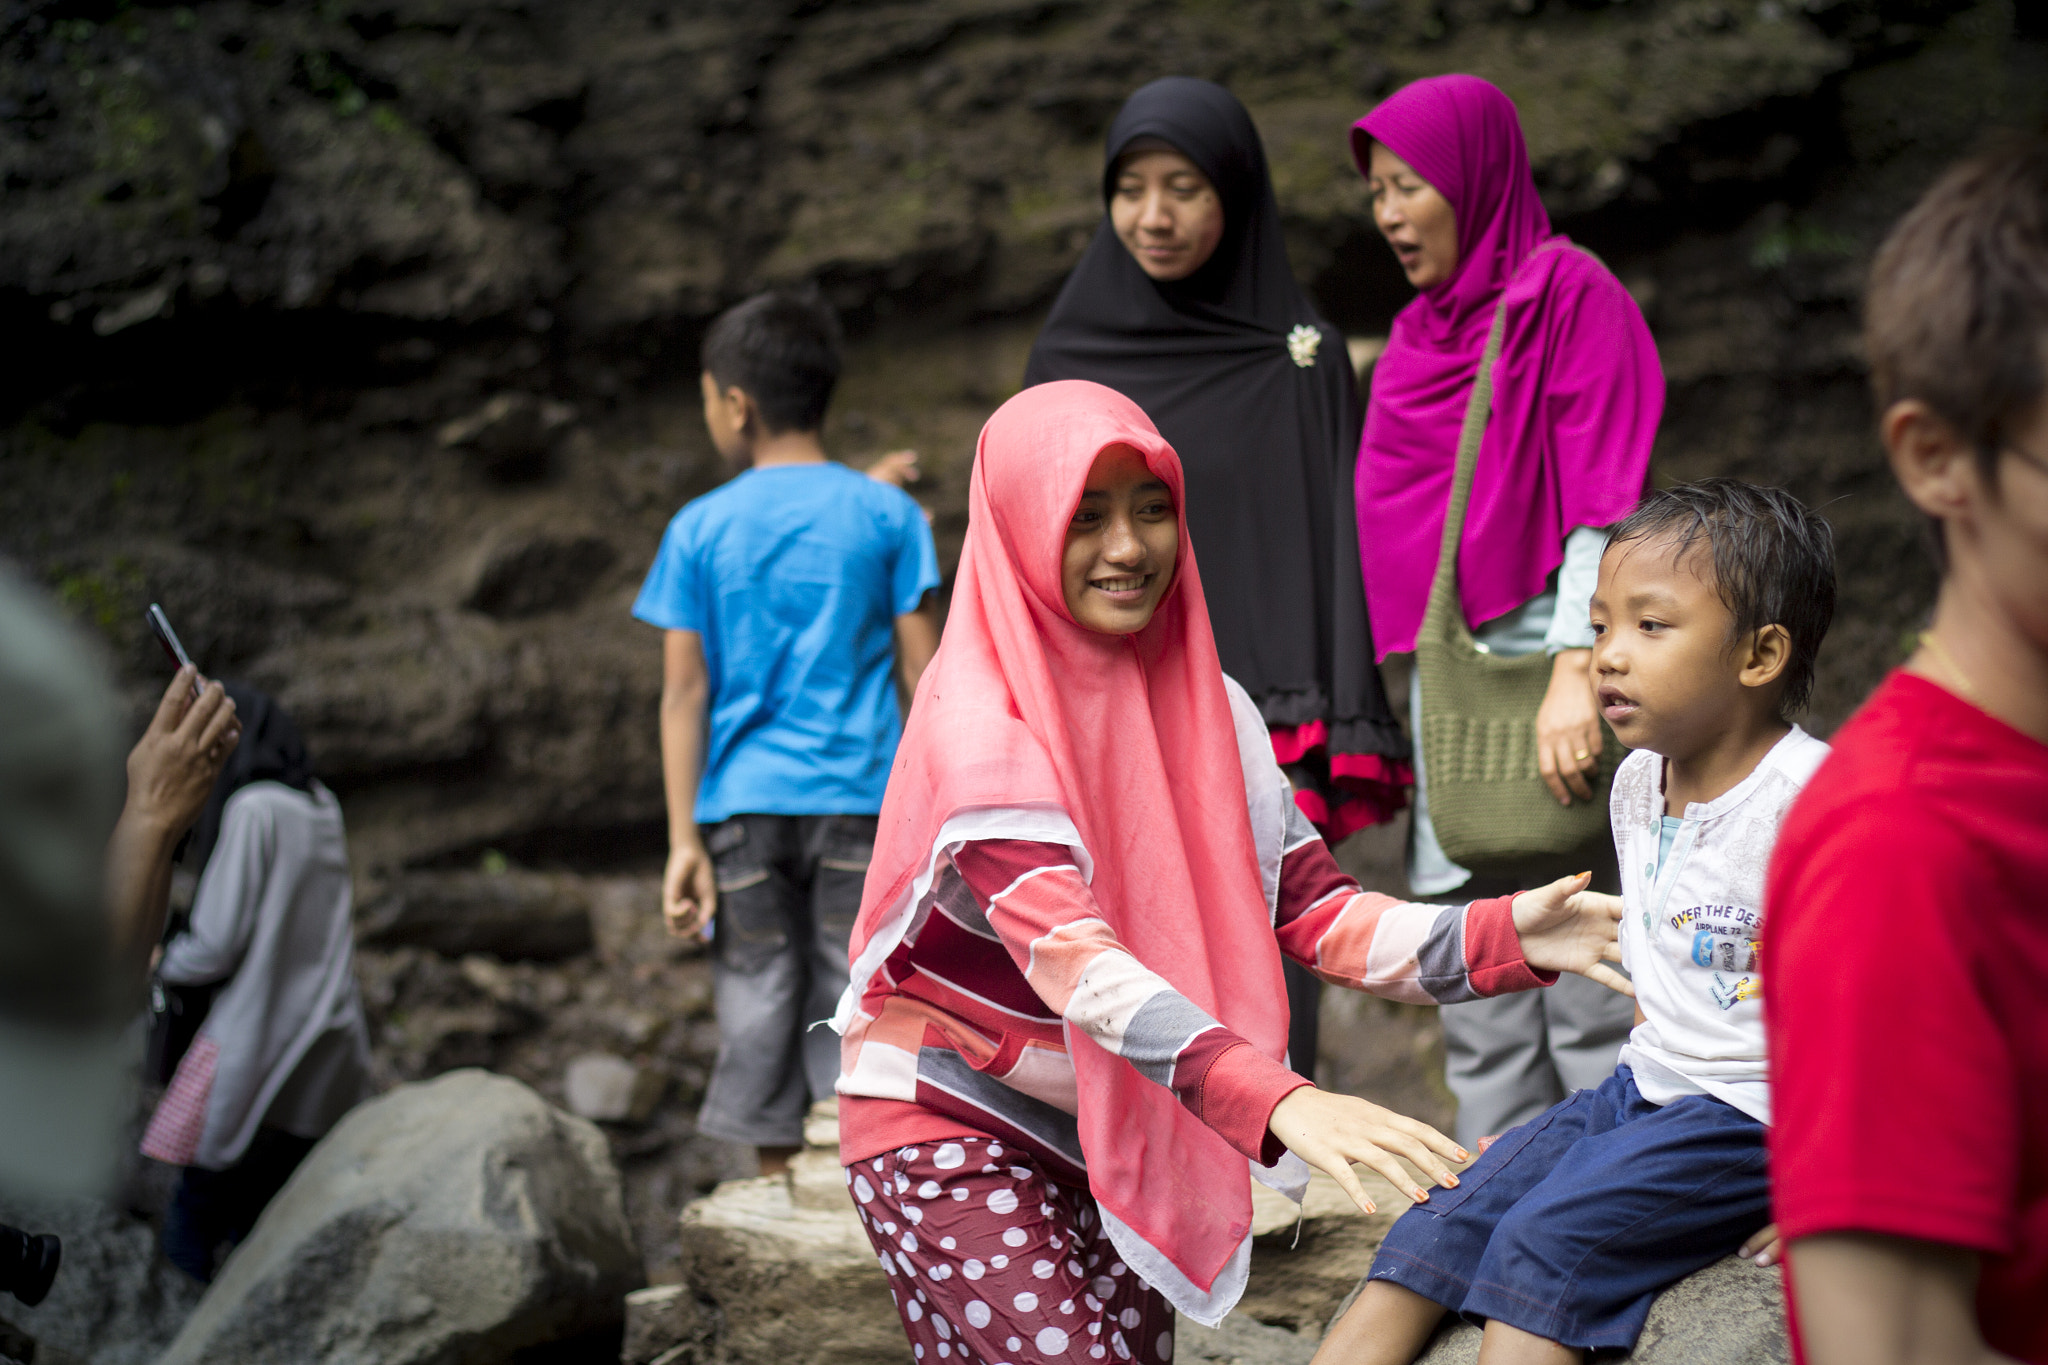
1712 602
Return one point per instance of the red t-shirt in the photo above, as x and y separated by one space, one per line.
1906 995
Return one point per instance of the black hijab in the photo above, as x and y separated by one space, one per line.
270 751
1268 443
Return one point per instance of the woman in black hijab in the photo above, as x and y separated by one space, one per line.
271 751
282 1052
1185 303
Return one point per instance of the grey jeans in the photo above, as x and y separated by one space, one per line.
1510 1057
788 891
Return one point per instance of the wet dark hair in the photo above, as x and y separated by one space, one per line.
1773 562
1957 311
781 349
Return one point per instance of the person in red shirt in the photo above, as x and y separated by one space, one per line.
1908 929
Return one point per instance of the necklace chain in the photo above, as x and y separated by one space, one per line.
1948 662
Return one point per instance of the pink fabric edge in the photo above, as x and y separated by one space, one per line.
180 1118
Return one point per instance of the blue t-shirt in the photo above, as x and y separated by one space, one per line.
794 576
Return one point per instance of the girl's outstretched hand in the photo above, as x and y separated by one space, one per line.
1330 1132
1566 928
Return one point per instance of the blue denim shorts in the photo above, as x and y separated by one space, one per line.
1570 1224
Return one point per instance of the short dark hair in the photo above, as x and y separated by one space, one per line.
781 349
1957 311
1773 562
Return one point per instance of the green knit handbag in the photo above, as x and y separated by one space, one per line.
1487 798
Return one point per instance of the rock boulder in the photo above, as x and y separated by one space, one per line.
458 1221
1240 1340
1307 1259
792 1285
510 915
778 1271
1731 1313
115 1301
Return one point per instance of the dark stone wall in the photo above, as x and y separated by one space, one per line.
361 333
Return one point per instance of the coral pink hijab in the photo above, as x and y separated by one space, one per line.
1577 393
1132 738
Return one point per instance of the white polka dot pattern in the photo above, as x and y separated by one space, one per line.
1002 1266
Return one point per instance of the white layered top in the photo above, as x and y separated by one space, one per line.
1695 917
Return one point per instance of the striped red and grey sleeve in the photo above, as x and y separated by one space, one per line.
1040 907
1422 954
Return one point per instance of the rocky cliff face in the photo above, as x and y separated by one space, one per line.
361 333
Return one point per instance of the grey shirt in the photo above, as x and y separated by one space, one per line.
272 917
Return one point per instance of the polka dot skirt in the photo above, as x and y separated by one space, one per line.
993 1263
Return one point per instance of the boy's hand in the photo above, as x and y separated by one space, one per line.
689 890
1330 1132
1566 928
1764 1247
897 468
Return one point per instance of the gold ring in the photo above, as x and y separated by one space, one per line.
1582 755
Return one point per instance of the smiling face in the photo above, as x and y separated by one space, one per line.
1417 222
1165 211
1669 673
1121 547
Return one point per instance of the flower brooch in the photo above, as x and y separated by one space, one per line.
1302 343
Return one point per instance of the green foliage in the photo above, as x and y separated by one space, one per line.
105 599
130 129
223 463
1780 245
327 79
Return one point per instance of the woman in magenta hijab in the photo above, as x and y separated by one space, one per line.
1577 396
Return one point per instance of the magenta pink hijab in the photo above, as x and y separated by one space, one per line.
1577 389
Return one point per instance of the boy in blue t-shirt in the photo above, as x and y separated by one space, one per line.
782 593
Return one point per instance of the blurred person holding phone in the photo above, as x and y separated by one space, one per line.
283 1050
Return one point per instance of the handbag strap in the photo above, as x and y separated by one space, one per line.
1478 409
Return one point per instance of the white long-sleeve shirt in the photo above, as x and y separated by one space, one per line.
285 1042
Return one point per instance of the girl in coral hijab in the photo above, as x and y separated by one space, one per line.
1063 1043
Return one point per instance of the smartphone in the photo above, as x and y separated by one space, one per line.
160 626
